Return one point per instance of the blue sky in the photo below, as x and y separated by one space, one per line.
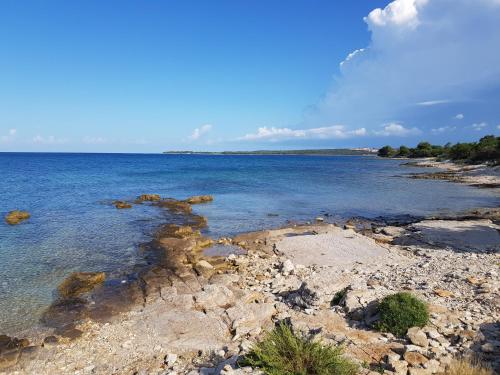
130 76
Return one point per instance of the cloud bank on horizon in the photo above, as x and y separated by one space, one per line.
427 61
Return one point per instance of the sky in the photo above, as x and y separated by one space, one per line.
151 76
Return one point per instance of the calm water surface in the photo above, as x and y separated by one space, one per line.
75 228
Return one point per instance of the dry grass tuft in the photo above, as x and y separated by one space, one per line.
467 367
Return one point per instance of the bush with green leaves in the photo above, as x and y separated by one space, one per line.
283 352
401 311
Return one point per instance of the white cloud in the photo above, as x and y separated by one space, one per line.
198 132
460 116
398 130
49 140
352 55
421 51
94 140
399 13
443 129
327 132
479 126
433 102
9 137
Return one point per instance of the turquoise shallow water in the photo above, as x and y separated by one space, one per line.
75 228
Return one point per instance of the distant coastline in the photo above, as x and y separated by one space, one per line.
318 152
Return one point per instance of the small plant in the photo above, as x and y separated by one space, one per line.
401 311
282 352
466 367
339 296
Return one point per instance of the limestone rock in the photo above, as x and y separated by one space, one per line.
418 337
250 318
213 296
415 358
287 267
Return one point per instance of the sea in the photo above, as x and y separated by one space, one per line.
75 227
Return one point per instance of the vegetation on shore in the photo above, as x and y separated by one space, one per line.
487 149
284 352
400 312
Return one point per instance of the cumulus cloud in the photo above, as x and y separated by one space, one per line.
428 52
199 132
397 130
460 116
326 132
49 140
479 126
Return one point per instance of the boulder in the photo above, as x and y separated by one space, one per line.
418 337
197 199
16 216
80 282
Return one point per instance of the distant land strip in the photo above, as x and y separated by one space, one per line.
324 152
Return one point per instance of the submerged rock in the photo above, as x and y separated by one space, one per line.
16 216
80 282
122 204
149 198
10 350
200 199
176 206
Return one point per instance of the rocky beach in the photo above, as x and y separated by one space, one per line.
189 312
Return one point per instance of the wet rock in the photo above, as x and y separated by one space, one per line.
80 282
418 337
177 231
50 341
122 205
197 199
15 217
175 206
149 198
10 350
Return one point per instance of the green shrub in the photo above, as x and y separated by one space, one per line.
401 311
386 152
282 352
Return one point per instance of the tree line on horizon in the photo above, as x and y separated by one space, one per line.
487 149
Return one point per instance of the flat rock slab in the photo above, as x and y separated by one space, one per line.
338 247
475 235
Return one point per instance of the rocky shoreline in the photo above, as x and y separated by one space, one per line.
481 175
193 313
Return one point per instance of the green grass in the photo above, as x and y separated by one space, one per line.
401 311
283 352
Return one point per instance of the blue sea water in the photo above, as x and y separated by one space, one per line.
74 227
